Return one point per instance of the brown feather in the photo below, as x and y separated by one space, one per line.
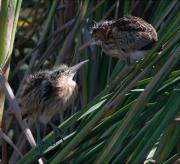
40 99
122 37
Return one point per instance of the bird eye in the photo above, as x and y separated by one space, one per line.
94 35
68 72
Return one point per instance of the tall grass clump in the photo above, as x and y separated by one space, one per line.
122 114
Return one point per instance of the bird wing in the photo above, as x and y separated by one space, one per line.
31 82
131 23
134 33
30 88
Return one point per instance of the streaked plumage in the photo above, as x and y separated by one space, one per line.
125 37
48 92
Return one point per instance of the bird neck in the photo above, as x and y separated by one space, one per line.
68 91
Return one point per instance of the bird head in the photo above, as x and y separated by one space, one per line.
97 35
99 31
63 76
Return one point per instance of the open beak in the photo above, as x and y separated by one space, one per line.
75 68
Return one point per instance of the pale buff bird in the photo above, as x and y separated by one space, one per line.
47 93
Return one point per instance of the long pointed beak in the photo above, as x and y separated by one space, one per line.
93 42
75 68
87 44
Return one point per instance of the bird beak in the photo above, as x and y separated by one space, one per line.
85 45
93 42
75 68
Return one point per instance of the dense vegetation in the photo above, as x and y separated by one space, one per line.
122 115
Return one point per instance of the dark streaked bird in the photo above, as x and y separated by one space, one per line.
47 93
128 38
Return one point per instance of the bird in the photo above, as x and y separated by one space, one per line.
48 92
127 38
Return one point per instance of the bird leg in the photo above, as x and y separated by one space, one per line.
57 131
128 60
120 76
38 132
125 56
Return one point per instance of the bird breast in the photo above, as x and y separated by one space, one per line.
67 93
58 102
